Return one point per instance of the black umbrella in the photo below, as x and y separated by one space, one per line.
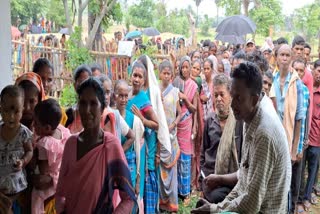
236 25
233 39
151 31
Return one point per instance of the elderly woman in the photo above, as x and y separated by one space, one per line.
93 163
220 152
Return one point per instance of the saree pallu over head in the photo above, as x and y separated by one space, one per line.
35 79
81 182
156 102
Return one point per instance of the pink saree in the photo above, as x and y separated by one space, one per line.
185 124
81 181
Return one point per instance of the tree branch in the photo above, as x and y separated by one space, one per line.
66 11
83 6
106 8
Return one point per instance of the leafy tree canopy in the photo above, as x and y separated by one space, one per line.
307 20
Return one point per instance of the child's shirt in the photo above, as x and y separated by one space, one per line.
12 182
51 149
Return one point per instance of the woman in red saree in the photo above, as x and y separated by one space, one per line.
93 164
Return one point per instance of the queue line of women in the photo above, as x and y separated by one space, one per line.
137 157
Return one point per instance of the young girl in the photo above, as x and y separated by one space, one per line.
15 143
50 146
168 179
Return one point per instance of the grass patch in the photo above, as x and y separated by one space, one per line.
187 209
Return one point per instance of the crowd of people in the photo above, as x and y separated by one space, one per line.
237 125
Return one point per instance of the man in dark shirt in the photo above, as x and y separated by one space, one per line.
220 153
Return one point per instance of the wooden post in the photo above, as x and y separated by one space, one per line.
26 55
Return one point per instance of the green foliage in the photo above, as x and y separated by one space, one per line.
176 22
77 53
150 49
232 7
57 14
268 14
142 14
27 9
265 13
307 20
115 14
205 25
187 209
68 96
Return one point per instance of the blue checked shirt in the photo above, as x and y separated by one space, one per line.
305 106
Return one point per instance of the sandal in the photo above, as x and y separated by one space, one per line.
314 199
316 190
187 201
300 209
306 205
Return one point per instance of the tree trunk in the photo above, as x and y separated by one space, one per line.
82 6
66 11
193 30
105 9
98 38
197 24
217 22
245 4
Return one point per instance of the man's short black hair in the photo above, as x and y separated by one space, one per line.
239 55
306 45
257 58
316 64
282 41
269 75
298 40
249 72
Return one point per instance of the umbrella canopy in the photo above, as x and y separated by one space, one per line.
236 25
233 39
133 34
151 31
15 33
64 31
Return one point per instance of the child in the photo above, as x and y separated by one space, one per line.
50 146
45 70
15 143
168 172
33 93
